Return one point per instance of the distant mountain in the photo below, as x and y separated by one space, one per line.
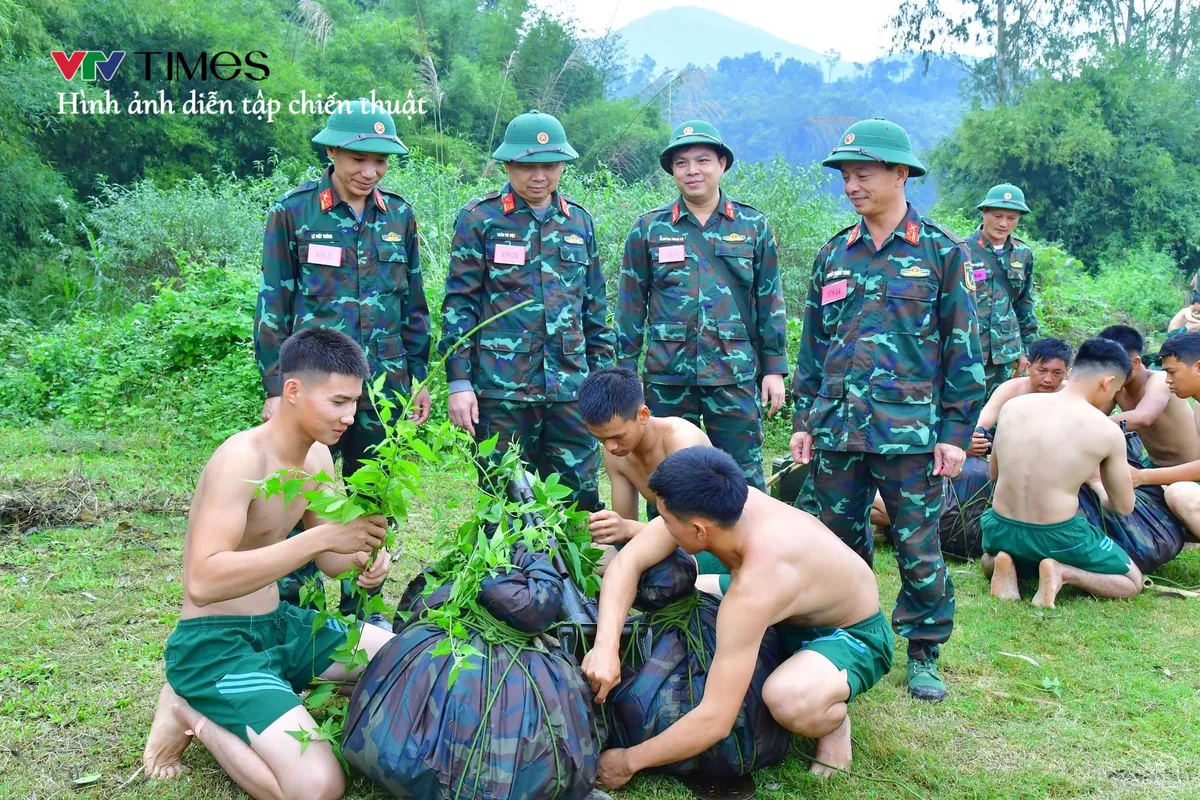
675 37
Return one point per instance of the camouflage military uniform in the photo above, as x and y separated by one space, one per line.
889 366
526 367
373 293
1004 297
709 340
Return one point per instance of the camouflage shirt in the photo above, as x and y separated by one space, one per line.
710 324
1004 296
501 256
889 360
322 267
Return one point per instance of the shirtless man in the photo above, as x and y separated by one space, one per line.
1180 356
1047 446
613 406
238 656
788 570
1164 422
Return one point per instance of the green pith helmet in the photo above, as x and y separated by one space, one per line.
1004 195
362 126
695 131
875 140
535 138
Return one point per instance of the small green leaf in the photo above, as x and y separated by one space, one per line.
88 779
488 446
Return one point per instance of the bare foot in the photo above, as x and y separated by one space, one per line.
1004 578
833 749
1049 582
168 738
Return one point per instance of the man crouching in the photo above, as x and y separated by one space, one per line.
787 569
238 656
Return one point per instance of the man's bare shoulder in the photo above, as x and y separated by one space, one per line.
1015 387
242 454
683 434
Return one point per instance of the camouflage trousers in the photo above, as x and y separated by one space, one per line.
366 432
996 374
731 417
552 438
843 486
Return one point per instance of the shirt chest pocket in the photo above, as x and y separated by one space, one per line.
909 306
393 268
739 258
573 263
507 260
670 267
324 269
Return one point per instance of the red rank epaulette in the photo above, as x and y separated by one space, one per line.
326 200
379 201
853 237
675 213
562 203
981 243
507 202
729 209
912 233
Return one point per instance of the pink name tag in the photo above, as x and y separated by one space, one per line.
833 292
675 252
510 254
324 254
980 275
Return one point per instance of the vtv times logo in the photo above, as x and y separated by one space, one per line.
91 65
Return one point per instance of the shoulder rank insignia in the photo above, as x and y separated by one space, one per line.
729 209
326 200
562 204
912 233
571 238
855 232
391 236
507 202
379 201
675 213
914 272
734 237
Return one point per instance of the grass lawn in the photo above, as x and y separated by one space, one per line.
1112 709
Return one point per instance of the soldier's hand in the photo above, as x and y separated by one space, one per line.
270 407
373 572
802 447
1136 475
948 460
615 770
360 535
979 445
607 527
602 670
772 393
464 411
421 406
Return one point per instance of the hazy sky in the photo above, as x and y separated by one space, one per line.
816 24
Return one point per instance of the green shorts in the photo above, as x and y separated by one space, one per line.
1074 542
246 671
865 649
711 565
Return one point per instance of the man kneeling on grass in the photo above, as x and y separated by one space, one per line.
1047 446
238 656
787 569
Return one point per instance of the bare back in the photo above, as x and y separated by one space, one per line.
1172 439
798 569
225 514
1046 447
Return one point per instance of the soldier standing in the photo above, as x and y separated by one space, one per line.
889 380
518 376
704 273
341 252
1002 268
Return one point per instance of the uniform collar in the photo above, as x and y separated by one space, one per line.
510 201
328 195
724 207
986 243
909 229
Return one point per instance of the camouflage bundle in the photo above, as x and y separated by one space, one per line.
966 498
516 723
660 686
669 580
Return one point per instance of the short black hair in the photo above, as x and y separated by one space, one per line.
1049 349
1182 346
1125 336
701 481
322 351
1102 355
608 393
